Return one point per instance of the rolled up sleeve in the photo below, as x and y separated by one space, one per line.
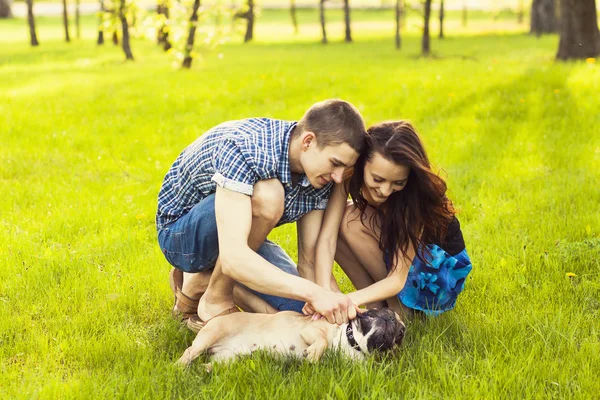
234 167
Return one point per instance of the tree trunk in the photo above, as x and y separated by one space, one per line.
347 20
398 17
31 22
5 11
100 40
77 22
187 61
293 15
249 22
322 12
425 48
115 38
125 32
464 14
441 19
162 36
521 12
66 21
579 35
543 17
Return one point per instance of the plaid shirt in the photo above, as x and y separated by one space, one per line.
235 155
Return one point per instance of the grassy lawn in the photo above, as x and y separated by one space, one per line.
86 141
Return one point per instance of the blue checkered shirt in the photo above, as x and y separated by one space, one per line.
235 155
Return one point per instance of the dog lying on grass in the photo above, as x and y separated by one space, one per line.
291 333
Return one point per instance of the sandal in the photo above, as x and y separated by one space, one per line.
184 307
194 323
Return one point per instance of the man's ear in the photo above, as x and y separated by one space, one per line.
308 139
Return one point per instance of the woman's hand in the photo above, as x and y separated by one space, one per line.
308 310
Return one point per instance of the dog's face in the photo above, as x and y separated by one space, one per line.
381 328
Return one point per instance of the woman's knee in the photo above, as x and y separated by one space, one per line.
351 226
268 200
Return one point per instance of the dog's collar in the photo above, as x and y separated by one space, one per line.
350 337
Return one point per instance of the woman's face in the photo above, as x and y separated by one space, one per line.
382 178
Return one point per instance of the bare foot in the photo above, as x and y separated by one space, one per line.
210 306
194 285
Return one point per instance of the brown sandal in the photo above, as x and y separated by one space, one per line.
184 307
194 323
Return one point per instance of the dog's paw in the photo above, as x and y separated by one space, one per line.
184 362
314 353
207 367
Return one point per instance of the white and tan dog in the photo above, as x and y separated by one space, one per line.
291 333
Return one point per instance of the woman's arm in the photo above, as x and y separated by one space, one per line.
327 241
389 286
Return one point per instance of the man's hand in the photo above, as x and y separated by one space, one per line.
337 308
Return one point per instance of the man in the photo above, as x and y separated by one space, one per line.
232 186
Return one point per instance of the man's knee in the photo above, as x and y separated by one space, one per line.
268 200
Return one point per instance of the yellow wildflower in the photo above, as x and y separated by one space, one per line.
590 60
571 274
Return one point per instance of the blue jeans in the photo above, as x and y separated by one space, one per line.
191 244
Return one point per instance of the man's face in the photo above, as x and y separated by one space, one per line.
327 164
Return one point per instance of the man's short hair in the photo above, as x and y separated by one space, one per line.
334 122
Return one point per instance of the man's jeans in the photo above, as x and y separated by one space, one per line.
191 244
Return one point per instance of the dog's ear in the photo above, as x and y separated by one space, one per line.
401 329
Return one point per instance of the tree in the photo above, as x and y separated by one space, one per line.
398 19
441 19
125 30
425 42
5 11
77 22
521 12
66 21
100 40
579 35
293 15
187 60
543 17
464 14
31 23
347 20
322 14
249 15
162 37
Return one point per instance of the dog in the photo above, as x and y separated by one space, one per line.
292 333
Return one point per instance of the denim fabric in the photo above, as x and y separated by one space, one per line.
191 244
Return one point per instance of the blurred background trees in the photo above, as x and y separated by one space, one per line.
5 9
177 24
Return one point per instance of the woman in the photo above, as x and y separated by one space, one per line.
398 239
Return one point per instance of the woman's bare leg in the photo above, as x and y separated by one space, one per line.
358 252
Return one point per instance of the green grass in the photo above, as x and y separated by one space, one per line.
87 139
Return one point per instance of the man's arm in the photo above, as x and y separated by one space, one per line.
234 221
328 235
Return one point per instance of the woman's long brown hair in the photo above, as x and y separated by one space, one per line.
418 214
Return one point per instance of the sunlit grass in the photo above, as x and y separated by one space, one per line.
87 139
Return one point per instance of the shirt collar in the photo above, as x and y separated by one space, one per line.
284 171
